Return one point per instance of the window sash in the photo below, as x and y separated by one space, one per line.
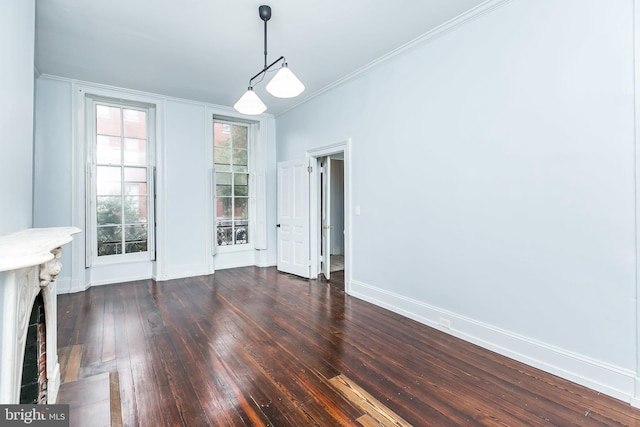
120 181
232 186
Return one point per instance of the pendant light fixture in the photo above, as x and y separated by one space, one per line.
283 85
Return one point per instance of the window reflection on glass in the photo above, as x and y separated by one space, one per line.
135 174
241 208
107 149
135 152
108 181
135 124
109 210
108 120
240 156
224 207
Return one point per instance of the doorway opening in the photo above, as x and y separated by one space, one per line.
329 212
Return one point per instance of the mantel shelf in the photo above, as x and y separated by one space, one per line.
33 246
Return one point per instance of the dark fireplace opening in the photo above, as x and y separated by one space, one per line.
34 367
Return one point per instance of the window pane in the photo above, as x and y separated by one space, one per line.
223 168
135 174
135 233
109 249
110 234
107 120
135 152
223 208
135 123
241 190
109 240
222 155
224 235
241 209
241 179
223 178
109 210
239 156
136 247
108 181
108 149
135 209
135 189
241 233
221 135
237 168
240 136
223 190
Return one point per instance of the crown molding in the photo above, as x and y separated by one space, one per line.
436 32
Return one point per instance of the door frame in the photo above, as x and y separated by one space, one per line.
325 217
314 156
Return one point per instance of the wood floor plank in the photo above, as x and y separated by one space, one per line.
94 335
114 399
250 346
123 357
72 363
108 329
369 404
368 421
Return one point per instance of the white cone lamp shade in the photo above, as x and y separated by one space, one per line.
285 84
249 103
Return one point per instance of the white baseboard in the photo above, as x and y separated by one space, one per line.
63 285
183 272
120 279
611 380
265 259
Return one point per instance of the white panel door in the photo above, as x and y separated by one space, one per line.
293 217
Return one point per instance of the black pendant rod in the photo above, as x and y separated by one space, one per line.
265 45
265 14
265 69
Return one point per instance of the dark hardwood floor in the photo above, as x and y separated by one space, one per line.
251 346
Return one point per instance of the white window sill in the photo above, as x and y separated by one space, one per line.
120 259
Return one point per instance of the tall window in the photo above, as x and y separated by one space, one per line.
231 165
121 211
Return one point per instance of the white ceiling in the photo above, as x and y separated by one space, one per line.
207 50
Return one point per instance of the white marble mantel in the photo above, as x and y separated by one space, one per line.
33 246
29 264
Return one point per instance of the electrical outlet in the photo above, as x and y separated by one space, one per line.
445 323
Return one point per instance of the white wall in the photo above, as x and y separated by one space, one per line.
53 166
186 177
17 35
494 169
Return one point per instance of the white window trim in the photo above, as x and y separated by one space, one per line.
253 134
91 235
257 198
